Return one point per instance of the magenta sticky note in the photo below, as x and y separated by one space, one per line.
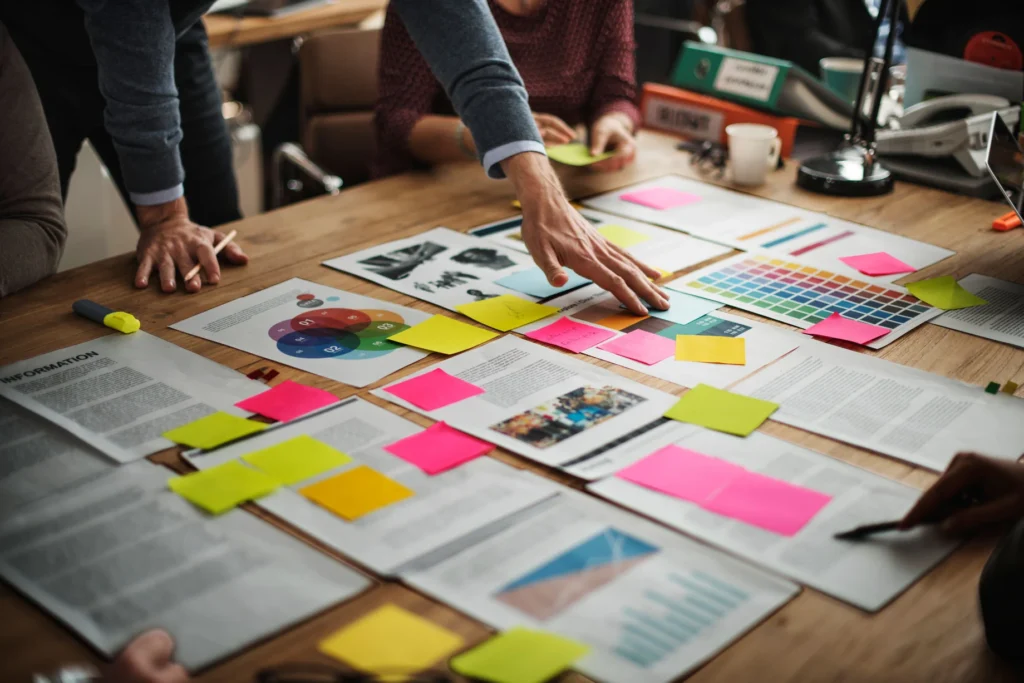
660 198
570 335
837 327
878 263
641 346
287 401
439 448
767 503
433 390
682 473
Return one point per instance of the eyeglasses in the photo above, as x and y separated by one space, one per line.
323 673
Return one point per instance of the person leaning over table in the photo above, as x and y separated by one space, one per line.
134 45
998 488
576 61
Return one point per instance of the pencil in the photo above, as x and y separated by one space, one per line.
216 250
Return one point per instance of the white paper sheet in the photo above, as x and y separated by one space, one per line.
545 405
1001 319
119 393
899 411
867 573
652 604
121 554
315 328
446 507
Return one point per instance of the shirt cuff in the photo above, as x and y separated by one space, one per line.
493 158
158 197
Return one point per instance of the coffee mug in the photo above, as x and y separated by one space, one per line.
842 76
753 151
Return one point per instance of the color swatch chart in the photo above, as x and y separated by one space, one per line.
803 295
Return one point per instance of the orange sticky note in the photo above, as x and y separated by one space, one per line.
356 493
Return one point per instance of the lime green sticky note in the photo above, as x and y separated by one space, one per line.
721 410
945 293
223 487
519 656
505 312
622 236
576 154
297 459
443 335
213 430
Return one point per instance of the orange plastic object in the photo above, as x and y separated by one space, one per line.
1006 222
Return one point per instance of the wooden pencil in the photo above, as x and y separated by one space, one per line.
216 250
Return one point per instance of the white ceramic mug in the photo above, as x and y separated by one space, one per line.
753 151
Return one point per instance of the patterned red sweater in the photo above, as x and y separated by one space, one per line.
575 57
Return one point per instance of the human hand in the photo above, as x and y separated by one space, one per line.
558 236
613 132
168 239
996 485
147 659
553 130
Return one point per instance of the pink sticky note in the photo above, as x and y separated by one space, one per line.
682 473
771 504
433 390
439 448
878 263
660 198
837 327
571 335
287 401
641 346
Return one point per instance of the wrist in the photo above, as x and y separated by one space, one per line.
532 177
154 215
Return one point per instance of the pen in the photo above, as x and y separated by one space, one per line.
216 250
962 501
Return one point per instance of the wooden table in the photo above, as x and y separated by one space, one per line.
229 30
930 633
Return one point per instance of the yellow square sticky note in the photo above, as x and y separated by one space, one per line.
701 348
391 640
356 493
223 487
945 293
576 154
620 321
213 430
443 335
519 656
721 410
621 236
297 459
505 312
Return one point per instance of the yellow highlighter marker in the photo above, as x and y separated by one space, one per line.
117 320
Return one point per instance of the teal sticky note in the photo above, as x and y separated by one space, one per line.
532 281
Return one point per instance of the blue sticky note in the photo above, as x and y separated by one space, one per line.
532 281
683 308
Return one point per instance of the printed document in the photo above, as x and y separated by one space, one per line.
1001 319
119 393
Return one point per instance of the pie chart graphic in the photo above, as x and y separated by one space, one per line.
338 333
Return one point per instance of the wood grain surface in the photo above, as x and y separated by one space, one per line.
233 30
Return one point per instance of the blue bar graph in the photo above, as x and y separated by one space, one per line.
793 236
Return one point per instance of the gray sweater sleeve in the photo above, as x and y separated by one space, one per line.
462 44
32 230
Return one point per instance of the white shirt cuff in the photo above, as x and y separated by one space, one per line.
493 158
158 197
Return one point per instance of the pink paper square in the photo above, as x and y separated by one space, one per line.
571 335
439 448
682 473
287 401
767 503
641 346
878 263
433 390
837 327
660 198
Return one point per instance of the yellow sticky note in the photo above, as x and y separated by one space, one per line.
213 430
223 487
721 410
389 640
945 293
356 492
701 348
621 236
519 656
295 460
620 321
444 335
505 312
576 154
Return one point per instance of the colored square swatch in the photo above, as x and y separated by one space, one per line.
297 459
223 487
213 430
721 410
356 492
287 401
519 655
641 346
444 335
439 448
434 390
570 335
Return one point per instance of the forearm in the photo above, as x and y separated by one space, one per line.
31 249
438 140
533 178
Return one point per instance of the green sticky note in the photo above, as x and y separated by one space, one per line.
576 154
298 459
505 312
945 293
213 430
223 487
721 410
519 656
992 388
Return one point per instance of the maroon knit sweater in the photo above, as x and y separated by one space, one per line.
575 57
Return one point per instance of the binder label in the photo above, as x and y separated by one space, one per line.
746 78
694 122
